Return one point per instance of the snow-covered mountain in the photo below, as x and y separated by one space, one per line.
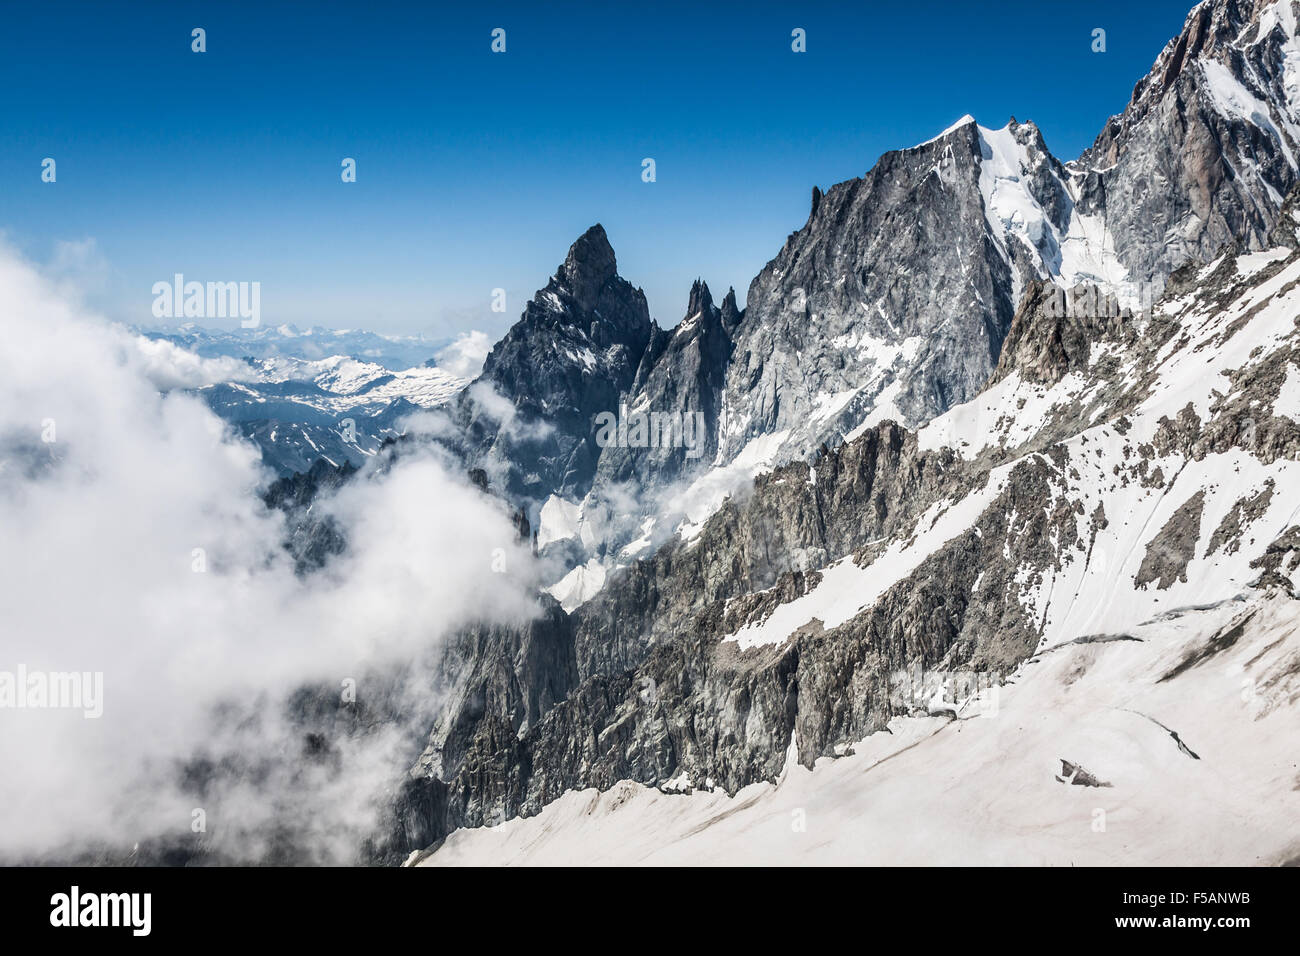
1069 600
1208 145
393 352
892 301
529 419
1019 428
1072 762
319 395
337 410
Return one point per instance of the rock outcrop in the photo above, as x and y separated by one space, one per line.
529 419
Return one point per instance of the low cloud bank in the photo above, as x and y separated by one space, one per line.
133 542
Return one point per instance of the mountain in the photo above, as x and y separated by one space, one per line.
843 329
313 344
1207 147
1105 538
893 300
844 321
681 376
1024 468
302 402
1126 793
336 410
529 419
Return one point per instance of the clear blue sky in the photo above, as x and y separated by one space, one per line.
477 170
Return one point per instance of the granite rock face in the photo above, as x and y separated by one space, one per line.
690 705
529 419
1201 159
1054 331
680 378
846 311
843 329
1206 149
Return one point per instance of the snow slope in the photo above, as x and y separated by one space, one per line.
986 788
1163 668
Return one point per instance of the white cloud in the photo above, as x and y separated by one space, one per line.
169 366
464 357
97 535
493 406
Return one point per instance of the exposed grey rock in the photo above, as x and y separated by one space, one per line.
1280 560
1169 551
574 351
865 491
1245 512
679 382
842 320
1180 174
1286 231
507 674
311 538
1073 773
844 323
1054 331
823 316
659 694
662 695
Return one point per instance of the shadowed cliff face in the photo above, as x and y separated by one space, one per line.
681 376
529 419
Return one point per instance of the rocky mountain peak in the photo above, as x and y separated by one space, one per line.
1215 30
701 300
731 313
589 265
894 298
1286 231
1216 123
573 352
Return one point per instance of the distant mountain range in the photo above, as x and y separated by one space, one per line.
288 342
320 394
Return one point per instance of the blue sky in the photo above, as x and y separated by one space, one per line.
477 170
